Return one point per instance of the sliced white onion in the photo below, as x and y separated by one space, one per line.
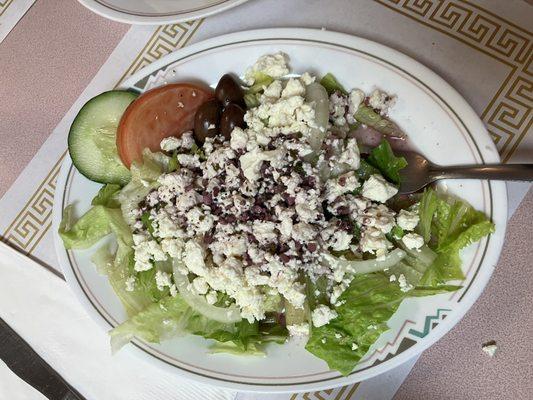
198 303
316 93
367 266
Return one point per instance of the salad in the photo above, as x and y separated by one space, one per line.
258 212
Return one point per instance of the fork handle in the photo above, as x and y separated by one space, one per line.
501 172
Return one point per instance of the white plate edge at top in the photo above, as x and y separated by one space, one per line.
126 17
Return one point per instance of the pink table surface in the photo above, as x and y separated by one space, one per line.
55 50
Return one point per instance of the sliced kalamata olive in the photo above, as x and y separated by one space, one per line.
207 120
229 91
232 116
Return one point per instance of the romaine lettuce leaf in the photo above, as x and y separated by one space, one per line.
172 317
143 180
159 321
247 338
232 348
241 334
107 196
422 291
366 170
370 301
383 158
118 267
251 100
426 210
454 225
96 223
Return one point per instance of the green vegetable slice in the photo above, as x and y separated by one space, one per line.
261 80
366 170
383 158
331 84
92 137
366 115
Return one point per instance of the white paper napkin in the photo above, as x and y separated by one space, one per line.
42 309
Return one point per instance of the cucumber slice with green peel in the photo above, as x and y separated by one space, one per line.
92 138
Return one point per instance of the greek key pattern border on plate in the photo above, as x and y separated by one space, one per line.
508 115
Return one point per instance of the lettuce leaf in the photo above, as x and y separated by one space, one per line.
370 301
422 291
366 170
414 265
157 322
232 348
118 267
107 196
457 224
454 225
249 341
426 210
383 158
143 180
96 223
241 334
172 317
251 100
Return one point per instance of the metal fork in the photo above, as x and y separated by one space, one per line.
420 172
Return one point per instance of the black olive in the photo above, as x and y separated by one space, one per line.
229 91
207 120
232 116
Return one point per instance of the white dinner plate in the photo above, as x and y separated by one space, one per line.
158 12
436 118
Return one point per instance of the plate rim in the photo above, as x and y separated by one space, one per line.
169 18
450 94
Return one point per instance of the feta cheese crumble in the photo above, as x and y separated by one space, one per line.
404 285
274 65
322 315
376 188
381 101
162 280
407 220
298 330
490 348
413 241
130 284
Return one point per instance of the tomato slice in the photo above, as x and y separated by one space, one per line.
159 113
